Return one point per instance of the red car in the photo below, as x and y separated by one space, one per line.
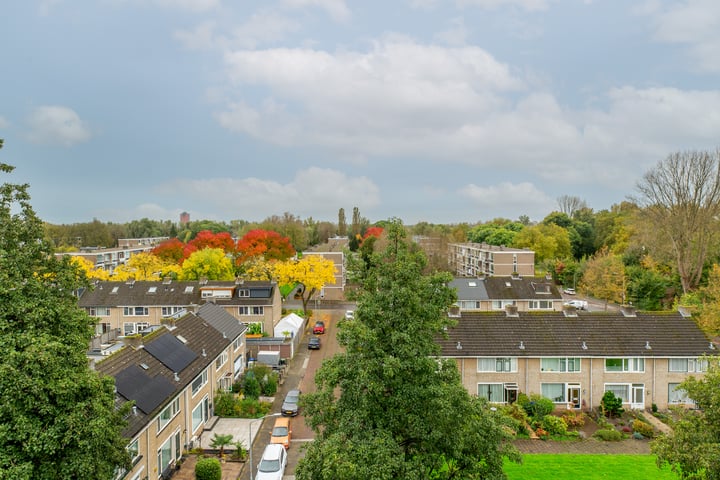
319 327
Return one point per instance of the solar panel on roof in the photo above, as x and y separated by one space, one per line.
171 352
148 393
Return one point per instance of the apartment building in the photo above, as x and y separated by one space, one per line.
475 259
574 357
171 374
109 258
526 294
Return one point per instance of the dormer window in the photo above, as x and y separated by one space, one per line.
244 292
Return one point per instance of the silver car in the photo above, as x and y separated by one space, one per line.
290 405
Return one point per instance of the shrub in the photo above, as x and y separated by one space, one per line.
515 411
644 429
573 419
269 387
626 429
611 405
654 408
609 435
224 404
554 425
208 469
536 405
251 387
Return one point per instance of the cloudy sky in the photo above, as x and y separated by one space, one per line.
428 110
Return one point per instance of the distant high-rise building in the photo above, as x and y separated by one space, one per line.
184 218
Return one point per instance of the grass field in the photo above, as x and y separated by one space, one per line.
587 467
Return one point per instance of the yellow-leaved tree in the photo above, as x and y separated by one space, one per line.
313 271
90 271
210 263
604 277
141 266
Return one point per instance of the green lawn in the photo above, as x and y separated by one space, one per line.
586 467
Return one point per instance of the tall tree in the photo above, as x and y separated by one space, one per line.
570 204
210 263
604 277
267 244
313 271
342 223
57 416
692 449
387 406
355 225
548 241
141 266
208 239
681 200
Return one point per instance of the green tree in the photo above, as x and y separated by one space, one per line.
386 406
342 223
57 418
208 469
604 277
692 448
548 241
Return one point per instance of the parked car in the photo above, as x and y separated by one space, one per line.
579 304
569 291
314 343
349 315
281 432
272 464
290 406
319 327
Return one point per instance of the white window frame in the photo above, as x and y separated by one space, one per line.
167 414
678 396
134 327
221 360
495 388
238 343
248 310
625 390
564 365
629 365
540 305
99 311
136 312
199 414
501 304
497 364
169 311
687 365
172 446
199 382
243 292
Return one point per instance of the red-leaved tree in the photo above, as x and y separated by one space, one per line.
264 243
170 251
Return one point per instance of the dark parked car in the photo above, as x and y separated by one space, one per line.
314 343
290 405
319 327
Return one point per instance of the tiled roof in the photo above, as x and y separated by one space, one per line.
222 321
200 336
555 334
174 293
505 288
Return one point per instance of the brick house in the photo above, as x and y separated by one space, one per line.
487 293
474 259
171 375
574 357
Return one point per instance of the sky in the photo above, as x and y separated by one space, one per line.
442 111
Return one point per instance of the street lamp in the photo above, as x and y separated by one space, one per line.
250 449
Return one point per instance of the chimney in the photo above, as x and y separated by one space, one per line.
511 310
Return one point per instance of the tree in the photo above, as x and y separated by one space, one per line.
208 239
548 241
267 244
692 449
170 251
313 271
89 269
210 263
708 315
208 469
141 266
57 416
220 440
342 223
386 406
604 277
681 200
570 204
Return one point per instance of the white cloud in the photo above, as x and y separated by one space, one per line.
316 191
695 23
337 9
56 125
3 122
260 29
192 5
505 199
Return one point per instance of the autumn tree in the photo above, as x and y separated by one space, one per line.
312 271
57 416
692 448
267 244
708 296
89 270
170 251
604 277
208 239
141 266
210 263
342 223
681 201
386 407
548 241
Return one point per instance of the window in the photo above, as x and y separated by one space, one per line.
508 364
99 311
200 414
678 395
624 364
199 382
251 310
170 311
169 451
501 304
221 360
493 392
687 365
469 305
136 311
554 391
620 390
540 305
134 450
237 343
243 292
168 413
561 364
131 328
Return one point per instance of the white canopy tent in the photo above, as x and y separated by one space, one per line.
292 323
